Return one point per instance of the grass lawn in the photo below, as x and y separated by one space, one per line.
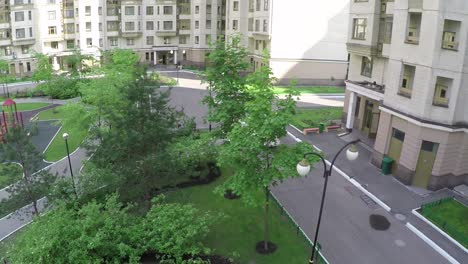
452 217
50 114
312 117
9 174
243 227
30 106
57 148
312 90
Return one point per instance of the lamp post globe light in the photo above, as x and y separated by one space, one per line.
303 168
65 137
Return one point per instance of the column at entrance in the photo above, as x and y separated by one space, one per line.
155 57
175 57
351 109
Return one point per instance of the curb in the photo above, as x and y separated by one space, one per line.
427 221
432 244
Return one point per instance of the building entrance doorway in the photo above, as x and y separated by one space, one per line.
427 156
396 144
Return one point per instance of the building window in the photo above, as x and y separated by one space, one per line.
208 39
407 80
52 30
129 10
114 41
89 42
265 25
167 40
101 43
257 25
130 42
366 67
208 9
19 16
441 92
197 9
149 40
414 27
52 15
197 39
112 11
387 30
398 134
70 44
208 24
251 24
235 24
259 4
77 27
167 25
197 24
30 32
100 10
359 28
30 15
149 10
88 26
28 66
183 39
235 6
20 33
69 28
167 10
100 26
149 25
69 13
129 26
87 10
449 37
266 4
112 26
54 45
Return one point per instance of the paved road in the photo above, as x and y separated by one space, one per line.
346 234
18 87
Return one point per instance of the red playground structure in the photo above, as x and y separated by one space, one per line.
10 118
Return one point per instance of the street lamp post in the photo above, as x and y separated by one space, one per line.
303 168
65 137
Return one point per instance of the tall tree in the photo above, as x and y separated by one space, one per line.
4 75
251 144
34 185
79 63
44 70
227 86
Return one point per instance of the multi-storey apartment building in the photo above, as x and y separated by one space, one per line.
305 39
160 31
407 86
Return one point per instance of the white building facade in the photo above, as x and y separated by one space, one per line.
407 86
305 39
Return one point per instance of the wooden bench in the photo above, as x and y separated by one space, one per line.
333 127
310 130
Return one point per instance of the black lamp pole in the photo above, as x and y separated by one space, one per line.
326 173
69 163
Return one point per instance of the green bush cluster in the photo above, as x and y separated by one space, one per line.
60 88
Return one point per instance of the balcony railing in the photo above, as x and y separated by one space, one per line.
370 85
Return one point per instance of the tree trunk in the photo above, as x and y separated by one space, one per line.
36 211
267 205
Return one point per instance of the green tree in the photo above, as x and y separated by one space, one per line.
35 184
251 144
79 63
227 87
5 77
44 70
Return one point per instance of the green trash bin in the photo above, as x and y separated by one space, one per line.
387 165
321 127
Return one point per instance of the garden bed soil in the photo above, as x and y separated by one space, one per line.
152 258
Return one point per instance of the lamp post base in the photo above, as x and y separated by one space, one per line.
260 247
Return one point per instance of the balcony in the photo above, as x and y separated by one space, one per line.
367 89
166 33
362 49
131 34
24 41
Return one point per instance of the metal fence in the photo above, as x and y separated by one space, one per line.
441 222
319 258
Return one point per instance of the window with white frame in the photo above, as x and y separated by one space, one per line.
407 80
20 33
70 44
149 10
88 26
19 16
69 28
52 15
53 30
129 10
89 42
235 6
149 40
208 24
441 91
450 34
113 41
149 25
266 4
366 66
129 26
112 25
235 24
167 25
359 28
87 10
130 42
167 10
414 28
197 39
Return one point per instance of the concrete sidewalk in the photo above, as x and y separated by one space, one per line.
400 198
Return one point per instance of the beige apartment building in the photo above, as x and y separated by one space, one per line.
305 39
165 32
407 87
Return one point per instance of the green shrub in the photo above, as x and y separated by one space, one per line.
60 87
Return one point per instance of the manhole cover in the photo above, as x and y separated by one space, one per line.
400 243
400 217
379 222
